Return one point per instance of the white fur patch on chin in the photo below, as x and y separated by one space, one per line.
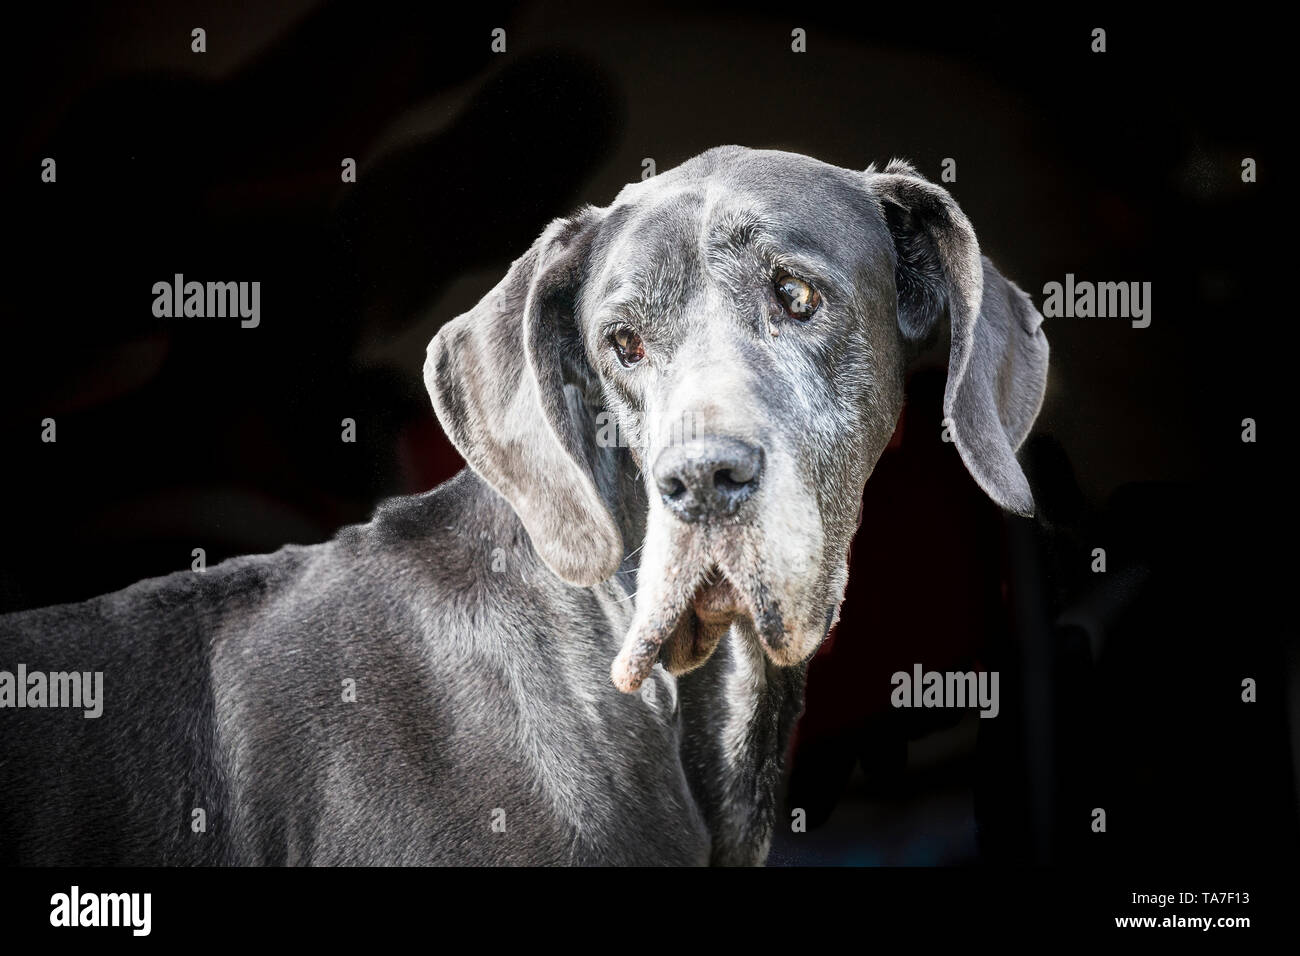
745 681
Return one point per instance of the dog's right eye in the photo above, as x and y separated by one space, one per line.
628 346
797 296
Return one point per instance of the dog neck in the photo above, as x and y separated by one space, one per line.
738 711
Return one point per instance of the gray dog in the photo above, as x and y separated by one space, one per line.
669 407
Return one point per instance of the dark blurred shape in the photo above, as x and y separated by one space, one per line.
195 432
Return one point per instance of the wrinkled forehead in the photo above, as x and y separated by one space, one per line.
708 214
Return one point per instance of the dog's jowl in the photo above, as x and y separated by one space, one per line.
773 302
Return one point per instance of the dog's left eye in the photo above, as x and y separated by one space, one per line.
628 346
798 297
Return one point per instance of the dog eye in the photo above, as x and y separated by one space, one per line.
628 345
798 297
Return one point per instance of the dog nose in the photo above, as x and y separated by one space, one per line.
708 478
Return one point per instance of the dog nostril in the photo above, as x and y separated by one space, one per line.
673 488
727 480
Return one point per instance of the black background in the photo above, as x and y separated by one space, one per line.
1123 166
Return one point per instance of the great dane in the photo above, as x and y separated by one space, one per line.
590 645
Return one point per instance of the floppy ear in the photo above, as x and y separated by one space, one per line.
997 366
497 376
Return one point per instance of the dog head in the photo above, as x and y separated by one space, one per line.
741 325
